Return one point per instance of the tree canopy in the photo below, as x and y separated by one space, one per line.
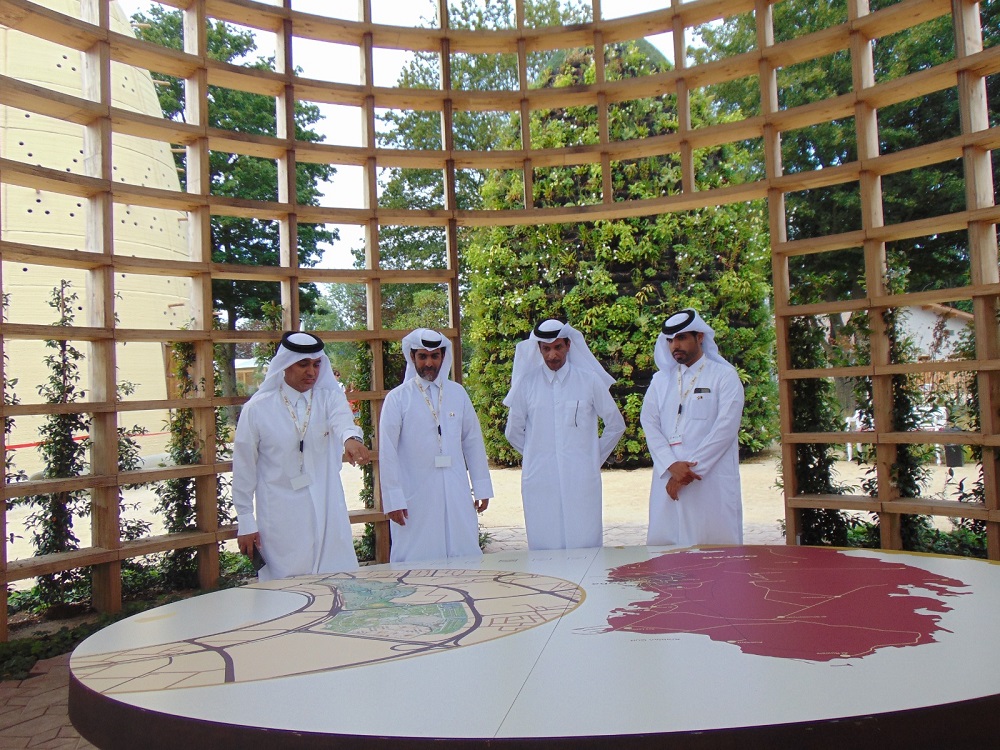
424 247
935 261
237 240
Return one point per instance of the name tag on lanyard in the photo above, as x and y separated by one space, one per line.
301 479
677 437
441 461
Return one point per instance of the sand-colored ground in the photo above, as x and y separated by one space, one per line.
626 497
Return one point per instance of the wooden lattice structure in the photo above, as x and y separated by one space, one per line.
91 36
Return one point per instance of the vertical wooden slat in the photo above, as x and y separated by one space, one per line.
524 112
764 22
104 506
979 193
603 128
373 295
683 102
200 249
448 176
288 228
3 455
866 123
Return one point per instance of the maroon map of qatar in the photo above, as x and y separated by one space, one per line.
809 603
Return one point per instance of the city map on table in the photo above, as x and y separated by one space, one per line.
558 644
786 602
345 620
789 602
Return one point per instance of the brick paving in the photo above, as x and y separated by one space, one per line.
34 712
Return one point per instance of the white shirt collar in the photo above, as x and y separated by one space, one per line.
685 369
551 376
429 386
293 395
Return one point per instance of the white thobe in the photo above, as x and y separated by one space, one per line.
553 425
709 510
304 530
442 520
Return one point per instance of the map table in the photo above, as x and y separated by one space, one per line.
696 648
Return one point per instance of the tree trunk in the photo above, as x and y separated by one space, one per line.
226 359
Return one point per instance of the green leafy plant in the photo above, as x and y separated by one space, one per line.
617 281
364 546
815 409
10 398
63 447
176 500
909 470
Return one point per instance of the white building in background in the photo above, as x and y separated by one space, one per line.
936 330
58 221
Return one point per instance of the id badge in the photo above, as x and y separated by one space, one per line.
302 480
674 440
442 462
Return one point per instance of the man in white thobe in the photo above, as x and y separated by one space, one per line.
691 416
290 440
558 391
430 446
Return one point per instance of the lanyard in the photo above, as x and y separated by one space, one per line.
300 431
682 396
435 413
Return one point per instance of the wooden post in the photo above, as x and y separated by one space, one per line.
200 247
288 228
3 455
683 104
979 194
373 294
524 111
779 269
104 504
866 119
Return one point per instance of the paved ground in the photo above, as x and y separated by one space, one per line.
33 712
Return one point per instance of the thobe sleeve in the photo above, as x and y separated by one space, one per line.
516 420
614 423
340 420
245 471
656 440
474 451
726 427
390 425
